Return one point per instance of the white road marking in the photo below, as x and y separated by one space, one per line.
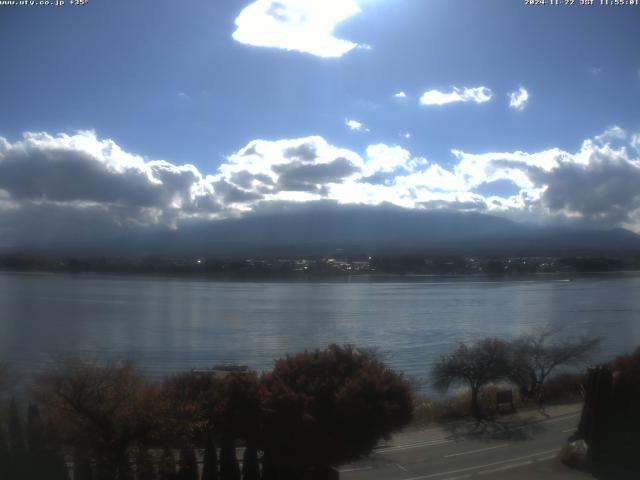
551 420
469 452
401 467
354 469
477 467
506 467
408 446
559 419
569 430
548 457
516 465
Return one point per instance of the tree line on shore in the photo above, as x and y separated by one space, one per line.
526 362
314 411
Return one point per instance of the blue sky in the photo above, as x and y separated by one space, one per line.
196 82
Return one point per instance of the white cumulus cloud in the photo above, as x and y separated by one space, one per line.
355 125
635 143
519 99
400 94
475 94
302 25
303 168
80 186
611 134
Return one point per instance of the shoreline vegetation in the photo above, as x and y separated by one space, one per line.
561 389
314 411
337 266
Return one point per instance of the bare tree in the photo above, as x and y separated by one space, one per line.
188 400
107 409
536 356
484 362
4 378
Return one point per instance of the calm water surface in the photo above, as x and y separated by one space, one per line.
169 324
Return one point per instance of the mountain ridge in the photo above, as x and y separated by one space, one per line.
352 230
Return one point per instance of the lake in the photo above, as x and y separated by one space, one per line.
172 324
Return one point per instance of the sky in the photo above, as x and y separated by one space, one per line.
129 115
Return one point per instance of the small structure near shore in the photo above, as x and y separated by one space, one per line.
504 401
221 370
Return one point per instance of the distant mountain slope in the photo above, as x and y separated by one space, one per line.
357 230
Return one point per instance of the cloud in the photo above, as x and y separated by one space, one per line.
80 173
83 168
611 134
230 194
355 125
80 186
635 143
312 178
472 205
400 94
385 158
604 192
595 186
282 169
437 97
598 186
301 25
519 99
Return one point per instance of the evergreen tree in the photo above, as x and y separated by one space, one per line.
82 469
36 441
229 468
188 465
104 470
16 434
17 461
250 466
4 445
35 431
54 463
125 469
56 466
144 465
269 470
4 454
167 465
210 461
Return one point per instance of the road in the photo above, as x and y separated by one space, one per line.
523 446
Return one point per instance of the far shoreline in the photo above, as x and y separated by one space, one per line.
363 278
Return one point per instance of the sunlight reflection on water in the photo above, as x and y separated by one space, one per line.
170 324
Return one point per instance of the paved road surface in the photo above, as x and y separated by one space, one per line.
521 446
